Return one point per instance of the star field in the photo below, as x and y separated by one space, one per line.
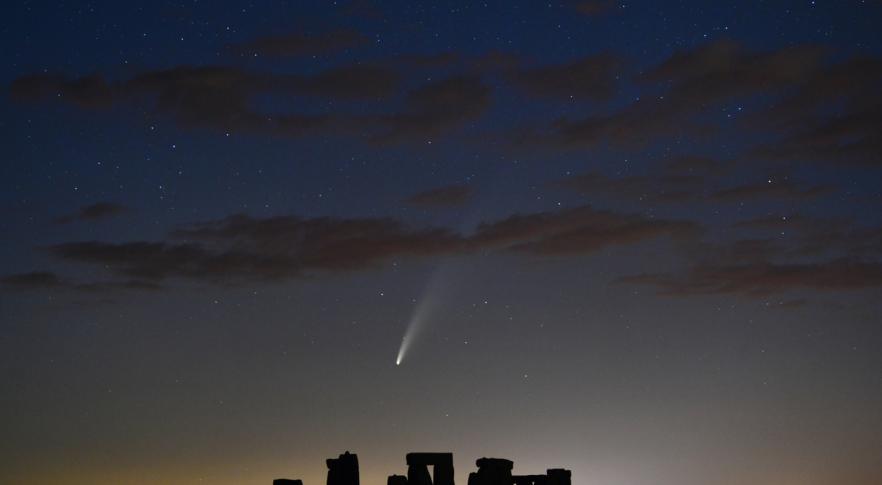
638 240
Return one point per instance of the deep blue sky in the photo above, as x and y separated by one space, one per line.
640 240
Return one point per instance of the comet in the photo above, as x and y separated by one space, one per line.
432 297
415 325
422 313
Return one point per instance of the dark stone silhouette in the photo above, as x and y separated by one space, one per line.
396 480
491 471
343 470
418 468
418 475
558 476
497 471
530 479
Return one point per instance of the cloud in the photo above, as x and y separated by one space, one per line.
723 69
436 108
354 81
442 197
694 82
240 248
679 179
834 117
495 61
789 223
577 230
800 253
740 251
593 77
427 61
853 82
777 188
806 235
301 45
46 280
811 109
694 164
85 92
654 188
853 138
765 278
96 211
220 97
224 98
32 280
592 8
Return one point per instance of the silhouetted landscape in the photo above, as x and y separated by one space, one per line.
619 242
343 470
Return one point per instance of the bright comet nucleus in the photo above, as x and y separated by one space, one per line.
403 348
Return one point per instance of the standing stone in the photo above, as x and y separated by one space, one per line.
558 476
343 470
492 471
396 480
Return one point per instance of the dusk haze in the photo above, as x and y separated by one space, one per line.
371 242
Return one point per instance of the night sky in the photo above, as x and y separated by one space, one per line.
638 240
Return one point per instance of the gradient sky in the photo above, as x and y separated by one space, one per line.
639 240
